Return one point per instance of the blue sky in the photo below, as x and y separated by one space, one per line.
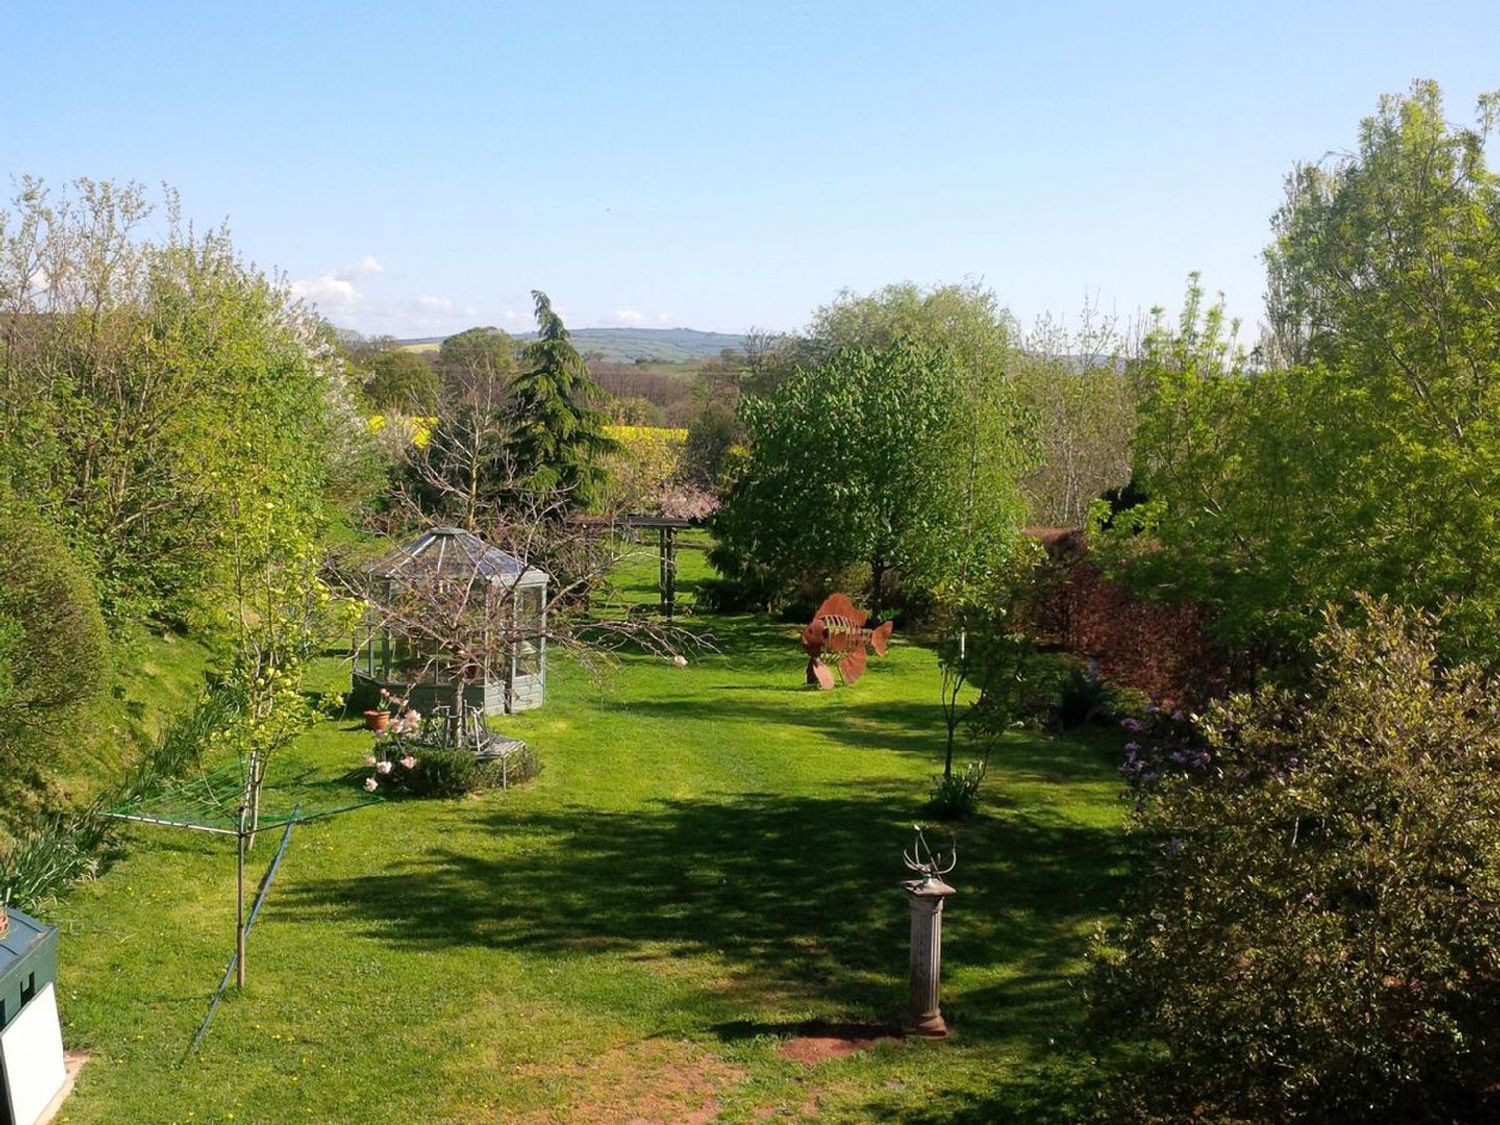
416 169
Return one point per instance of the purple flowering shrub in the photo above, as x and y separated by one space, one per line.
1313 929
1160 742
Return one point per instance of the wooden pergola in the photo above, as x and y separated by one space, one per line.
666 528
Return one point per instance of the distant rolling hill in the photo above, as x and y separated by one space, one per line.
626 345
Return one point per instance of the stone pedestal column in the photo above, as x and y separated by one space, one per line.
925 897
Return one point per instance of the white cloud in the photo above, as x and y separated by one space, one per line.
367 266
419 316
329 292
357 295
629 316
335 291
663 318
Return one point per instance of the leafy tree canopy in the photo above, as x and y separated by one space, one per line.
54 654
966 321
1372 462
477 356
147 387
401 380
869 458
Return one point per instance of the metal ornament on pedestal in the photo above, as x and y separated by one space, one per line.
925 896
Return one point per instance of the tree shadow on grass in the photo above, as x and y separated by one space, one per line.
755 643
909 727
795 895
875 724
1058 1089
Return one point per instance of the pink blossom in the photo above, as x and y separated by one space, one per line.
371 784
686 501
383 767
408 762
369 759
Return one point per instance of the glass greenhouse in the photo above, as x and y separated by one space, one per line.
449 607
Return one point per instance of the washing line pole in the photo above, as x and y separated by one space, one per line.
260 898
239 903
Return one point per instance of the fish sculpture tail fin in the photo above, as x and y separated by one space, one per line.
880 639
852 667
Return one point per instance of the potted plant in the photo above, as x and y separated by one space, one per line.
379 718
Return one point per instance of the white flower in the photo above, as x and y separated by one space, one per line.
408 763
680 661
383 767
369 759
371 784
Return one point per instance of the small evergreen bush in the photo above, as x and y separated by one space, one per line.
445 773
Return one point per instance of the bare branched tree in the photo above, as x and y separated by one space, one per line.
1074 381
462 467
462 620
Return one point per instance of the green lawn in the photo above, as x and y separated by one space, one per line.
709 860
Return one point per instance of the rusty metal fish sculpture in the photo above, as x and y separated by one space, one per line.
837 638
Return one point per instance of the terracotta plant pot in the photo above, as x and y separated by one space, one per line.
377 720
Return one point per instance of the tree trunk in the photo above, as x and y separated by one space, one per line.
456 714
257 777
877 589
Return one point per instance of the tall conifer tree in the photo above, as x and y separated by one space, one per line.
559 440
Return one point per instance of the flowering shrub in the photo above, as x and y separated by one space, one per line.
647 461
413 756
683 501
437 772
1165 742
399 432
956 795
1313 933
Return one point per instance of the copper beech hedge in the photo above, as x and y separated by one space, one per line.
1162 649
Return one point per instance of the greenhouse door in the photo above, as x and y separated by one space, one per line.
528 664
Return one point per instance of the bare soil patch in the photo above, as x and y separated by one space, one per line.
818 1042
655 1082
